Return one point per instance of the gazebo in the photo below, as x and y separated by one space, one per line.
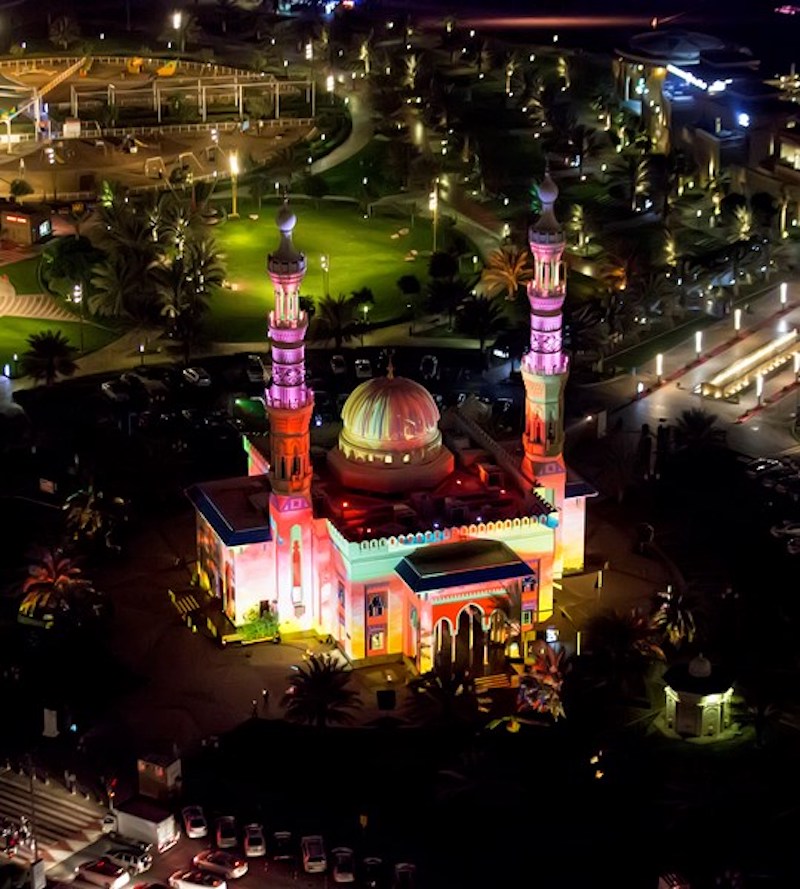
698 699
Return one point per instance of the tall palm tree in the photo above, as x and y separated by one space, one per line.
114 286
319 693
540 689
446 295
54 585
446 693
92 519
675 618
63 32
506 270
696 430
654 293
336 319
482 318
48 356
630 173
623 646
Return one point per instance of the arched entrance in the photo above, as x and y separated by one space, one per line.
498 632
443 646
470 641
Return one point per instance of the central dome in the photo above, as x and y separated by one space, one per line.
390 439
389 411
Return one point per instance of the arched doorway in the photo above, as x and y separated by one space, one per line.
470 641
443 646
498 632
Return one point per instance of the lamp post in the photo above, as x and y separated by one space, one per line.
759 388
784 294
365 310
433 206
233 162
737 320
141 354
77 297
177 24
325 264
659 366
16 363
698 342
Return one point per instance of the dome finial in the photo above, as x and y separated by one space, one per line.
390 366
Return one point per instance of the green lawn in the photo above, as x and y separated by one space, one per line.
14 333
23 275
361 253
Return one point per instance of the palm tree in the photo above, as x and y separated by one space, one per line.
696 430
64 31
446 295
511 63
482 318
49 355
336 319
93 519
675 618
318 693
630 173
448 693
506 270
19 188
54 585
655 293
540 689
623 646
113 287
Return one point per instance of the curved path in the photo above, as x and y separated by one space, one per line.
35 305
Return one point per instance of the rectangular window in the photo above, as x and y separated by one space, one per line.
375 606
377 639
527 617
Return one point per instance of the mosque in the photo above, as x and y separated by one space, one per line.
418 535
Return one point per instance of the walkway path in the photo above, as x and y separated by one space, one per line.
360 135
34 305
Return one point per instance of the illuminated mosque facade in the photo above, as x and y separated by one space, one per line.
418 535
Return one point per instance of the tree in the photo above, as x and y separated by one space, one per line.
482 318
336 319
442 265
187 33
540 689
623 645
64 31
696 430
446 295
54 587
630 174
319 693
49 355
448 693
93 520
675 618
114 285
19 188
506 270
69 261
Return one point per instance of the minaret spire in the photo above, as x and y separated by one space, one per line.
289 400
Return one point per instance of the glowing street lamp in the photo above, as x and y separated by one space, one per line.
329 83
326 268
784 293
698 342
659 366
759 387
433 206
233 162
737 320
177 24
141 354
77 297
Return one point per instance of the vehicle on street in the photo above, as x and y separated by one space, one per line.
429 367
194 822
141 820
363 368
103 872
116 390
372 872
405 876
153 387
761 465
282 846
231 867
196 879
793 547
343 869
226 832
133 860
196 376
254 844
338 364
312 853
786 529
254 369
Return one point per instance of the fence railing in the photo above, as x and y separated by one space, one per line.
26 64
221 126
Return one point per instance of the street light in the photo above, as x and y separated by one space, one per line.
325 264
177 24
365 310
433 206
141 354
77 297
737 320
784 294
659 366
233 162
698 342
759 387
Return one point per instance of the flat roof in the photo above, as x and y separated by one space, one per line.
236 508
444 565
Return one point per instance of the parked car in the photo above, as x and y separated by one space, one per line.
786 529
196 879
338 364
116 390
135 861
254 844
103 872
196 376
194 822
363 368
312 853
760 465
429 367
226 832
282 846
254 369
793 547
231 867
372 872
405 876
789 487
343 870
154 388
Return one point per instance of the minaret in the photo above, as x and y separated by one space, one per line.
289 406
289 401
545 368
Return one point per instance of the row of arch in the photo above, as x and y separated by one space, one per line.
470 644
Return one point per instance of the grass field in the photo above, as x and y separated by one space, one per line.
23 275
14 333
361 253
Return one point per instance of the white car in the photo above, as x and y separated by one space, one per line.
133 860
226 832
405 876
254 844
116 390
312 853
196 879
787 529
343 871
231 867
196 376
103 872
363 368
338 364
793 547
194 823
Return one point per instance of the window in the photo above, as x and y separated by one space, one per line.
414 618
375 607
527 617
340 594
377 639
529 584
387 458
